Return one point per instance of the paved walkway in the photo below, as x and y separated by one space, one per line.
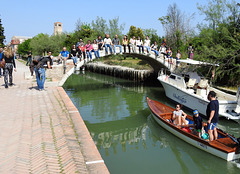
42 131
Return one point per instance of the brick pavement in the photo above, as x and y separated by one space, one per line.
42 131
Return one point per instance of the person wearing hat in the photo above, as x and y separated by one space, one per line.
197 119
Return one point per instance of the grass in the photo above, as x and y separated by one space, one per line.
126 61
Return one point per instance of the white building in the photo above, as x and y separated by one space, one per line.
16 40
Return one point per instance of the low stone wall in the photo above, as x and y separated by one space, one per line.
119 71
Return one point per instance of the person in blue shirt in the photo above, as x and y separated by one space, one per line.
1 55
212 115
64 55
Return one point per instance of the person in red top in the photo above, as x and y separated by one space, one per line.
81 51
89 48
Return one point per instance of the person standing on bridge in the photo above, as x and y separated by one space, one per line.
107 43
116 43
139 44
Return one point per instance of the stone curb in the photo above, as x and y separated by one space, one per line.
93 159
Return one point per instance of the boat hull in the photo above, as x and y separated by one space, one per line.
193 101
193 140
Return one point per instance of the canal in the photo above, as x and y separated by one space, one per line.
128 139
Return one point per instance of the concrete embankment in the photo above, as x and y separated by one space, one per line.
119 71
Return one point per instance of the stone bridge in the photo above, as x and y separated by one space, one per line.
157 62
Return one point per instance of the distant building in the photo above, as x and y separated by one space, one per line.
58 28
16 40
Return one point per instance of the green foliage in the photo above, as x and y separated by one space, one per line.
2 37
132 31
100 26
140 33
24 47
115 27
42 43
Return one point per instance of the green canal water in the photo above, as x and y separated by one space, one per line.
127 137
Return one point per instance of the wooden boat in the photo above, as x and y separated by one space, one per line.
226 146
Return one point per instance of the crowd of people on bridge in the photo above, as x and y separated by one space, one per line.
84 50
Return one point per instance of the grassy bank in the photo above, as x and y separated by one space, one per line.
126 61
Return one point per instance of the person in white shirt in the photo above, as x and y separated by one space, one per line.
139 44
132 44
108 44
95 49
154 48
147 44
163 50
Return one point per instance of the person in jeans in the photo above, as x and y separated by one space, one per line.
1 56
74 55
64 55
154 48
116 43
89 48
29 60
139 44
95 49
40 71
8 56
147 44
107 43
100 43
132 43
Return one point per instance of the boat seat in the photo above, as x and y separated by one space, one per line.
191 83
203 83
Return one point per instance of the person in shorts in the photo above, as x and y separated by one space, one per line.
197 119
212 115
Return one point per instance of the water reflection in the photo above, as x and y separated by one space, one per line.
117 116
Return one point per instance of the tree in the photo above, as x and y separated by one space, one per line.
2 37
219 40
115 27
140 33
99 26
132 31
24 47
214 12
177 26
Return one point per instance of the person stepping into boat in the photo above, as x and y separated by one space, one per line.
212 115
197 119
179 117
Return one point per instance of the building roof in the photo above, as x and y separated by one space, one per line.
21 37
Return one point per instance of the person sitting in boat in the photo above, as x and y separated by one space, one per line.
179 117
198 122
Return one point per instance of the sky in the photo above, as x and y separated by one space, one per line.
31 17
